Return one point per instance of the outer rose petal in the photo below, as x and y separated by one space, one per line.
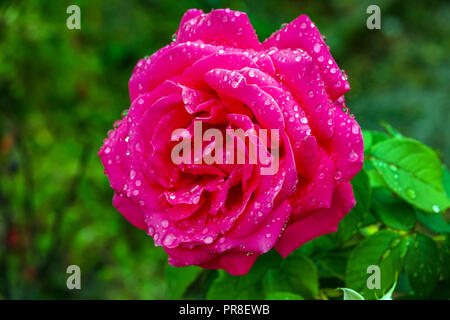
303 34
347 145
130 210
319 223
223 26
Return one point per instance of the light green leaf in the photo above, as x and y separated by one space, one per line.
350 294
392 210
413 171
385 249
422 265
179 279
367 138
388 295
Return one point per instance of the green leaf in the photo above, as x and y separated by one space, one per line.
353 220
390 130
388 295
422 265
446 181
393 211
413 171
248 286
385 249
332 265
445 258
296 274
376 180
371 138
368 139
179 279
432 221
350 294
283 296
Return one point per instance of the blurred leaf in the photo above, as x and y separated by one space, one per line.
391 131
413 171
385 249
393 211
446 181
179 279
422 265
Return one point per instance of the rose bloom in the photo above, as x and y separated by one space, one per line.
223 216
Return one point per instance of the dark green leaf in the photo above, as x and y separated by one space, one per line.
432 221
248 286
385 249
353 220
296 274
179 279
283 296
422 265
393 211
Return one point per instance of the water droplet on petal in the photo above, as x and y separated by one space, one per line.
353 156
208 240
316 48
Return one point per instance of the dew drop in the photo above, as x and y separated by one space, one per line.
353 156
411 193
208 240
169 239
316 48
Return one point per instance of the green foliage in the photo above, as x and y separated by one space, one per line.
61 90
413 171
350 294
179 279
354 219
420 265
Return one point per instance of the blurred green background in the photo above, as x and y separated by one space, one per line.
61 90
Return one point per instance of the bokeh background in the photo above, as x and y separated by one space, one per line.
61 90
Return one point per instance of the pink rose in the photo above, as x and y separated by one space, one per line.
223 216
